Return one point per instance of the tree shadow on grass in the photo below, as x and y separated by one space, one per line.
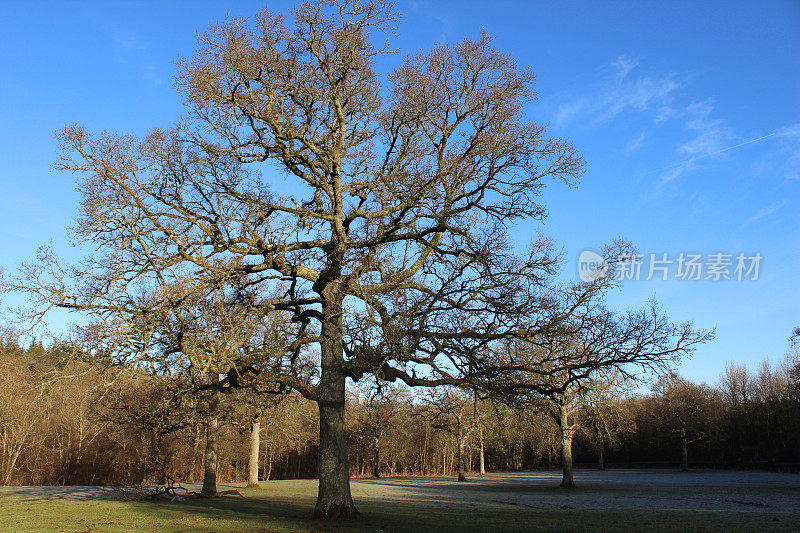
443 486
416 516
277 515
444 507
228 513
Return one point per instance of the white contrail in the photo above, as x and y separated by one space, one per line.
737 146
693 159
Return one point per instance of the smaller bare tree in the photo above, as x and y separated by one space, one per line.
604 420
589 354
451 409
378 405
685 409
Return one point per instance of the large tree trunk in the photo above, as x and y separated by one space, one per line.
210 458
334 499
566 448
684 453
483 465
376 459
600 464
255 445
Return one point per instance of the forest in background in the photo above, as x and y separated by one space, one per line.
64 422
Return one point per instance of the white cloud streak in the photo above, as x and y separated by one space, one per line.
618 92
765 212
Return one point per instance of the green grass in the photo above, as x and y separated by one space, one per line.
288 509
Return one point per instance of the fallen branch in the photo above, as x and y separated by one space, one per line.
171 493
197 495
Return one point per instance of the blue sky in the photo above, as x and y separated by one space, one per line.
687 114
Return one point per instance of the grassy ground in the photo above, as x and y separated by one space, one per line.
401 505
261 515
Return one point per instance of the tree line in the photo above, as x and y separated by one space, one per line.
65 422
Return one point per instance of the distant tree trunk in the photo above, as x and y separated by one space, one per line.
11 464
211 459
684 452
376 459
255 445
198 428
483 465
600 464
161 475
424 451
566 447
462 476
269 465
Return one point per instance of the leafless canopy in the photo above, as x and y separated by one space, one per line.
372 211
399 197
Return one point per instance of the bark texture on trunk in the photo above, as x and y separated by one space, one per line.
210 458
255 445
566 448
333 499
376 459
600 464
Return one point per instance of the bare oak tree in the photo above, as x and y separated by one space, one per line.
299 165
604 420
377 408
685 409
588 355
451 410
